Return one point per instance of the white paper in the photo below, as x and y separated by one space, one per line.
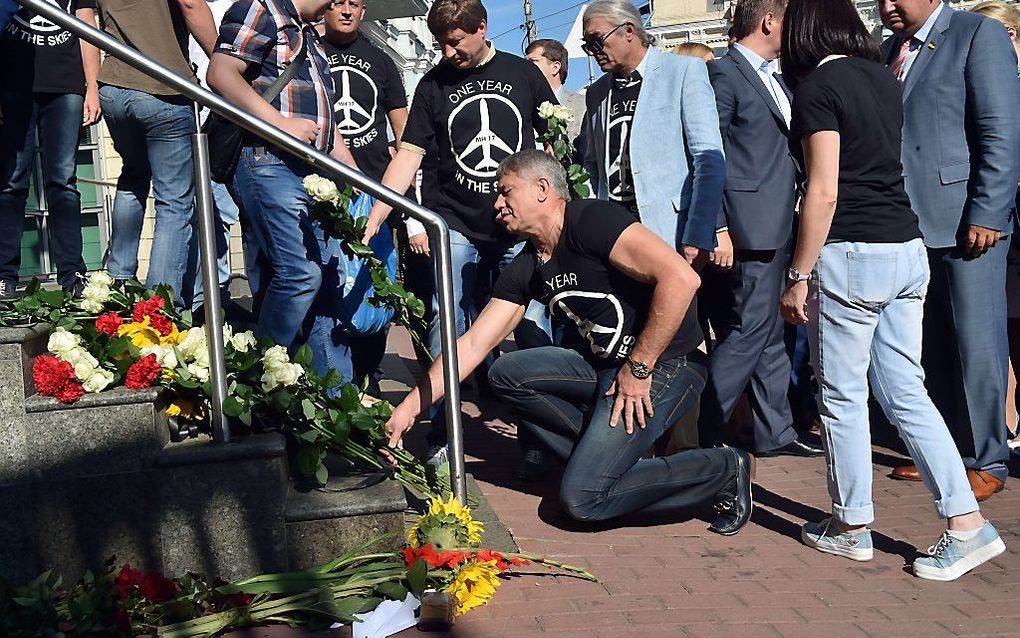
390 617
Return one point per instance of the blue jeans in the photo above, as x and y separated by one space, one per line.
58 120
559 398
865 307
153 137
476 266
226 214
274 205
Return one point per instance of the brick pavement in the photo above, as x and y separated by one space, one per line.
671 577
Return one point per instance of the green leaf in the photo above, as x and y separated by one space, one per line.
233 407
321 474
362 421
309 457
303 356
416 577
392 590
52 298
308 409
280 400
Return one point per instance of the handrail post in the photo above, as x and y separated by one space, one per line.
207 230
319 160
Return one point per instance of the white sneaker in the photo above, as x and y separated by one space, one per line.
951 557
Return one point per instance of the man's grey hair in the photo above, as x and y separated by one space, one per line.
618 12
533 164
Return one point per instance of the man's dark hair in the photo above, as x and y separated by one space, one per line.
553 51
449 15
748 14
814 29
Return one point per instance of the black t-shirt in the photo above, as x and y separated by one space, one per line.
368 87
475 118
42 57
860 100
581 287
623 98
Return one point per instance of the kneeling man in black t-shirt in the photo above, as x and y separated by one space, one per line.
600 409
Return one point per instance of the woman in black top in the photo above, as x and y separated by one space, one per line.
859 276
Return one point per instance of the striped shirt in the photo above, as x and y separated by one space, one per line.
267 34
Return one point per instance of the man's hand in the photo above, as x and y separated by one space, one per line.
793 303
401 420
419 244
91 111
722 258
980 239
633 399
302 129
695 256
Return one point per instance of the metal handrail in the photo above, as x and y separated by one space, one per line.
439 232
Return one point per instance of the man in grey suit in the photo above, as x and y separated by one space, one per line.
551 58
742 301
961 158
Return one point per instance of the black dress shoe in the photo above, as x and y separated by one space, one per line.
794 448
733 504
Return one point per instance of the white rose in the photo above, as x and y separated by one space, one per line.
321 189
62 341
98 381
561 112
100 278
228 332
164 355
281 375
82 361
198 371
275 357
90 306
546 110
243 341
194 344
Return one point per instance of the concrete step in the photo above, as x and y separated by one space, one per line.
351 509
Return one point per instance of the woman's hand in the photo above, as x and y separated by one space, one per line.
401 420
793 303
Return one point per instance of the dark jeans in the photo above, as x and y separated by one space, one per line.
561 399
57 117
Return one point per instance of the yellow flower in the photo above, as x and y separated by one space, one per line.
140 333
474 584
186 408
447 525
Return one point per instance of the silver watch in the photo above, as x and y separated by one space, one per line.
638 369
794 275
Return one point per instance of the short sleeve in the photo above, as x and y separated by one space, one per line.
514 283
596 228
816 107
394 96
248 31
84 4
420 130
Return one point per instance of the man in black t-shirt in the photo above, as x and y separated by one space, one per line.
477 107
50 88
631 296
368 91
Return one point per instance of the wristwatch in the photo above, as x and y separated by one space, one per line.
794 275
638 369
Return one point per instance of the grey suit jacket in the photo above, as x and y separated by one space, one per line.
961 127
761 175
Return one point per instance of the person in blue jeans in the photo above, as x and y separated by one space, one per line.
858 278
599 408
49 94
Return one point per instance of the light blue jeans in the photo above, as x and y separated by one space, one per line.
865 306
153 136
226 215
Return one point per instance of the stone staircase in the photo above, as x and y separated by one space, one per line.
81 483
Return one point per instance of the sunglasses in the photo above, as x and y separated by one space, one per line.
598 45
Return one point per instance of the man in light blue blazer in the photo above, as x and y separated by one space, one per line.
961 158
660 155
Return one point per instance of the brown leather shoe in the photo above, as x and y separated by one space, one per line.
906 473
984 484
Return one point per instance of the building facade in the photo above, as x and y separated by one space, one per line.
406 39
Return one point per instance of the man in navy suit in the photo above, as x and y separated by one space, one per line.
961 158
741 295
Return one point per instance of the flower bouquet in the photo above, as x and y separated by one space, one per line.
557 117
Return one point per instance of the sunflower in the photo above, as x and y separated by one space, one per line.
447 525
474 584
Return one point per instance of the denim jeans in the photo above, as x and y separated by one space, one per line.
274 205
153 137
560 398
226 215
865 307
57 117
476 266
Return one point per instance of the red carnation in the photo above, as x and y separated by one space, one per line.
143 373
153 309
161 323
157 588
55 378
109 323
127 580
